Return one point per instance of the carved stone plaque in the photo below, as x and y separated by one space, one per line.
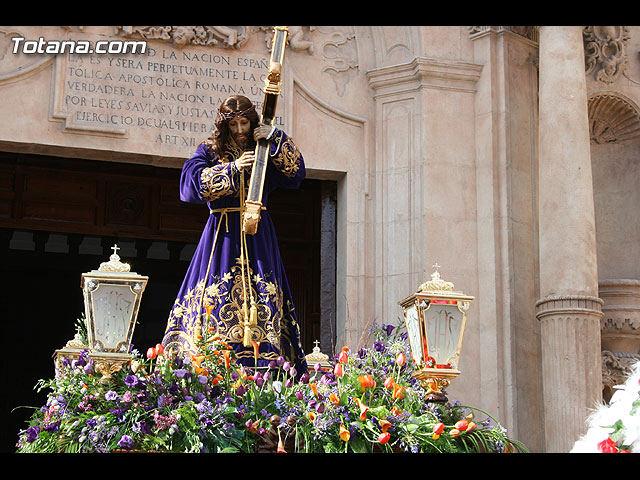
167 97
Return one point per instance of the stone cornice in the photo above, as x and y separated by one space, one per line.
424 73
527 32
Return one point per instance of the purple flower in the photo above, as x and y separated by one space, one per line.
241 390
202 379
111 395
126 442
280 361
32 434
379 346
388 328
286 366
164 400
181 373
88 368
131 381
304 378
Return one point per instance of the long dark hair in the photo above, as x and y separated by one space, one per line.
236 105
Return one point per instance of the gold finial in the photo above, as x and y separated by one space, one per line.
317 355
436 283
114 264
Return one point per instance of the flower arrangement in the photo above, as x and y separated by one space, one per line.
615 428
367 402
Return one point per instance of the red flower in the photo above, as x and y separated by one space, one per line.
608 446
400 359
159 349
344 357
461 425
337 371
384 437
151 353
438 428
388 383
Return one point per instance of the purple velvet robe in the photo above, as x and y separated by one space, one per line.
217 182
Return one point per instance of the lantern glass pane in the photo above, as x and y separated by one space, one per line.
113 308
413 331
443 328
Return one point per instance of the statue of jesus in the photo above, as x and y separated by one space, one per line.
230 270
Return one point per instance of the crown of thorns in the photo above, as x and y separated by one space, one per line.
241 113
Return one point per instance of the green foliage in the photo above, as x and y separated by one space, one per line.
367 402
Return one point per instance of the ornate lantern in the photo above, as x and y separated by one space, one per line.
112 297
435 317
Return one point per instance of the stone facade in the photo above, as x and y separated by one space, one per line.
508 155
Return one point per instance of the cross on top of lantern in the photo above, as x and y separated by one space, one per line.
112 296
435 317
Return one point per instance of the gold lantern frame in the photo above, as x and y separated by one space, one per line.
434 376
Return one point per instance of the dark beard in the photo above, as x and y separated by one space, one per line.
242 141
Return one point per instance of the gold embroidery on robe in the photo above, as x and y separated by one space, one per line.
287 156
227 291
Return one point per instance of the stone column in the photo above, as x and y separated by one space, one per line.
569 309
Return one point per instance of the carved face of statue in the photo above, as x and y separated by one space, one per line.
240 128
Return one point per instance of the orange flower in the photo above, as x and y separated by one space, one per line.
366 381
396 411
384 424
398 392
159 349
196 360
438 428
334 399
345 435
256 349
281 447
388 383
400 359
471 426
208 309
227 359
311 416
338 371
363 410
314 388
